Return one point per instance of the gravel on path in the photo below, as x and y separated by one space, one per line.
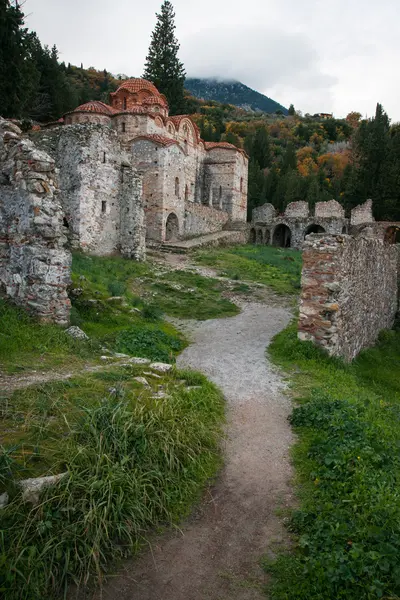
216 554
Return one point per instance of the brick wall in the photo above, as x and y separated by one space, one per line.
349 292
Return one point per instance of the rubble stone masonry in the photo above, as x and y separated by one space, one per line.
34 263
349 292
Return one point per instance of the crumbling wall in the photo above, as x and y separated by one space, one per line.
362 214
349 292
34 263
328 209
201 219
264 213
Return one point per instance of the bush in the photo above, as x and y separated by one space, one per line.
149 343
116 288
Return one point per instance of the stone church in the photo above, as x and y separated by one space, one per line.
130 173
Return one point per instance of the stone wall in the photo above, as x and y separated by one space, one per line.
349 292
34 264
94 195
200 219
362 214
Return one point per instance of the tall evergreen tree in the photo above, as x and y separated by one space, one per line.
163 66
18 74
261 151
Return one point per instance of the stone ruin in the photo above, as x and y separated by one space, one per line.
349 290
34 262
288 230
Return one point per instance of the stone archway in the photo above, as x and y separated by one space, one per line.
314 228
267 237
259 237
171 228
252 238
282 236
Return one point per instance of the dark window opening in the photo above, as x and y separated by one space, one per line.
65 223
103 206
104 157
124 103
123 127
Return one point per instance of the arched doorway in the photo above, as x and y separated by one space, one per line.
259 238
314 228
344 229
282 236
267 237
171 228
392 235
252 236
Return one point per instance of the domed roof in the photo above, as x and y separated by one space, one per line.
154 100
95 106
137 84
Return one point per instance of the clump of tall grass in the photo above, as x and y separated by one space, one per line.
133 463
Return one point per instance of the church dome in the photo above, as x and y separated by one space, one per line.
138 85
95 106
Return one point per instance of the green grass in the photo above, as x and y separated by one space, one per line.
134 462
25 344
347 460
276 267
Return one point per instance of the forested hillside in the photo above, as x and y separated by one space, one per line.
292 157
233 92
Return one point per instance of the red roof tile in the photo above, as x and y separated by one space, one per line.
137 84
96 107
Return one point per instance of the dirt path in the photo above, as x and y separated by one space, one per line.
215 555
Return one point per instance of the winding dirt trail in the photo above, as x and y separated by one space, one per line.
216 554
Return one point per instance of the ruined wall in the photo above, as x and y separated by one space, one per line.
201 219
34 264
362 214
225 182
264 213
349 292
93 195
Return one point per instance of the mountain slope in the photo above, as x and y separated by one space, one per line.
232 92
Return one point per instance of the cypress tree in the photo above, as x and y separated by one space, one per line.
163 67
261 151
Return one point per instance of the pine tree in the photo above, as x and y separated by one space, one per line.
18 75
261 151
289 158
291 110
163 67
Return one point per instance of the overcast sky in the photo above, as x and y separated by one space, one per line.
322 56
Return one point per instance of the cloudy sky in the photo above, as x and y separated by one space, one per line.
322 56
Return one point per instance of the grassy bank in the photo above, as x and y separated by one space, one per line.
278 268
119 304
135 459
347 460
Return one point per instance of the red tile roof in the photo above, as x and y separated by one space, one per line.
223 145
137 84
96 107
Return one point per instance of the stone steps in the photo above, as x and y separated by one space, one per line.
210 239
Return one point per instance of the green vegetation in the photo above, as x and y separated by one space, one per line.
163 66
119 304
25 344
276 267
135 460
348 465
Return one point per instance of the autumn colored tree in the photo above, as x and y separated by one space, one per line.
163 66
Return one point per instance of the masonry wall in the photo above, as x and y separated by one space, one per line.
349 292
34 263
201 219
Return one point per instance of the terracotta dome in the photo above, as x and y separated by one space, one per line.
155 100
137 85
95 106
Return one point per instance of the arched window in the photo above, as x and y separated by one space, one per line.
220 192
177 187
186 193
241 184
124 103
